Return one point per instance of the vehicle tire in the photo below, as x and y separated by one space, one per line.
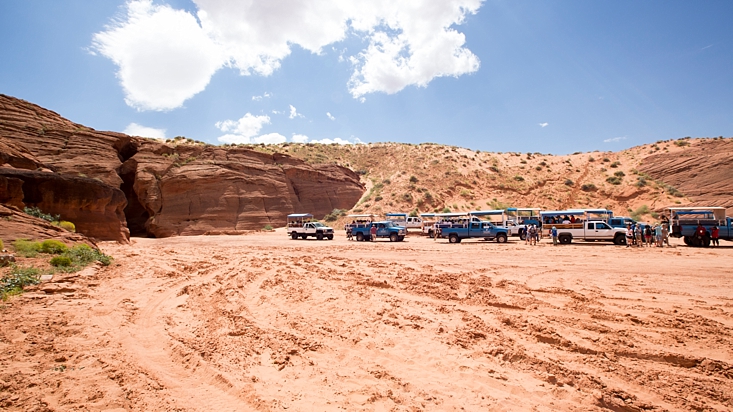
329 237
359 237
453 238
522 234
319 236
430 233
687 241
304 236
400 238
294 236
565 239
695 241
393 237
705 241
620 239
501 238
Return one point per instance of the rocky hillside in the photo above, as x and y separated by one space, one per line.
425 178
112 185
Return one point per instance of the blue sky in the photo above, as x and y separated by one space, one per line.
531 76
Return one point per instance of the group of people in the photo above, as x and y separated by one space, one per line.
640 235
533 235
702 233
551 220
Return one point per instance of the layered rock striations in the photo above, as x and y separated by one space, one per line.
110 184
701 171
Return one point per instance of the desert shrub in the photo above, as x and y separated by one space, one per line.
2 245
615 164
53 246
67 225
413 213
591 159
82 255
619 174
614 180
34 211
61 261
681 143
569 182
538 168
387 181
519 178
267 227
588 187
446 210
18 277
335 214
27 248
639 212
606 160
465 193
494 169
413 179
641 182
378 198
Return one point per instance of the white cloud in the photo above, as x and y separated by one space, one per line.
299 138
258 98
270 138
614 139
166 56
330 116
163 56
294 113
545 124
134 129
336 140
244 130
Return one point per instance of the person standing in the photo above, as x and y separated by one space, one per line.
629 235
714 233
665 234
658 235
373 232
639 235
553 232
648 235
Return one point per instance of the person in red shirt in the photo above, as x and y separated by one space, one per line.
714 233
373 232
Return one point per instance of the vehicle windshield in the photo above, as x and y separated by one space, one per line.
389 224
318 224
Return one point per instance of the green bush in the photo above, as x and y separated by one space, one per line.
18 277
34 211
614 180
446 210
2 245
82 255
53 246
569 182
61 261
615 164
67 225
267 227
619 174
588 187
27 248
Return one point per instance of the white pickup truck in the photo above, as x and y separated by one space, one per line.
299 226
589 231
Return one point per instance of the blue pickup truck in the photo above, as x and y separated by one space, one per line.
470 226
385 229
685 222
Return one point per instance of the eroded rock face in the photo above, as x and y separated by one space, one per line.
187 190
95 208
19 225
702 172
183 189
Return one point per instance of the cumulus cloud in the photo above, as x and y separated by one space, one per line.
545 124
246 129
166 56
294 113
134 129
163 56
328 114
299 138
614 139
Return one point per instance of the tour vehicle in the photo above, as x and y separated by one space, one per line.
302 225
458 226
385 229
686 221
582 224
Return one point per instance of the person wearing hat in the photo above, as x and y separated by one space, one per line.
629 235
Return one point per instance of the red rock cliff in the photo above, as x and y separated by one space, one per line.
182 189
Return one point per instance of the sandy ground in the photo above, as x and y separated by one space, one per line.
262 322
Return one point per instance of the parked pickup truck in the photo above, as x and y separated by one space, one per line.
589 231
300 226
474 229
686 221
385 229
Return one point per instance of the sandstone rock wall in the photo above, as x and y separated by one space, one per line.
107 183
703 172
